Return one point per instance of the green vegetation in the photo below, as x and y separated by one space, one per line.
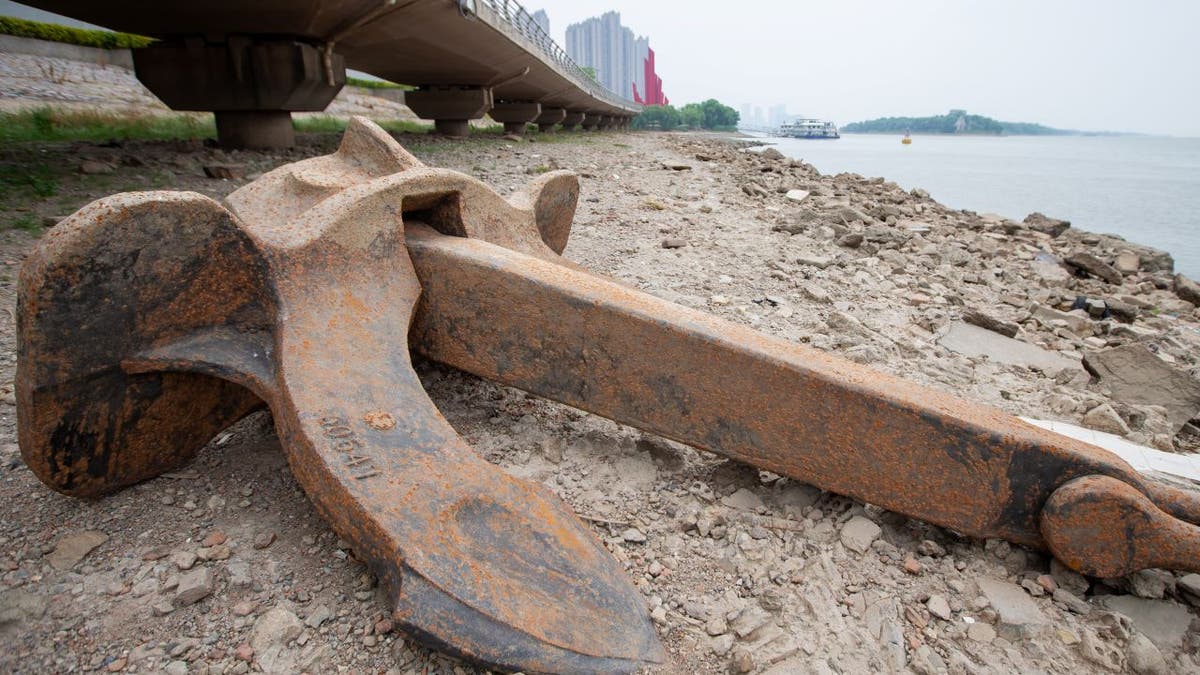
47 124
710 115
954 122
323 124
589 71
101 39
375 84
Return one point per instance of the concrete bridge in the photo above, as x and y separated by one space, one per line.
254 62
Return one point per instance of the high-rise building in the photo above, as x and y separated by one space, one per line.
542 19
624 63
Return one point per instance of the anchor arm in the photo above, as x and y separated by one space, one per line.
574 337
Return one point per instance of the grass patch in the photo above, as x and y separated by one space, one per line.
376 84
26 221
47 124
101 39
36 181
324 124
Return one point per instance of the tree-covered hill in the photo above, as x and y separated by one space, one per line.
953 122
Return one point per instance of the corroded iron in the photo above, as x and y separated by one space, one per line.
149 322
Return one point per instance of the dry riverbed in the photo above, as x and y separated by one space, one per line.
224 567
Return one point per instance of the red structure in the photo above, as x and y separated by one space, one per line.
654 89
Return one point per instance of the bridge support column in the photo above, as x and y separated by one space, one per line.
608 123
572 121
251 85
515 115
550 118
591 121
450 108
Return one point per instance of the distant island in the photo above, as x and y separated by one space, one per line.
954 122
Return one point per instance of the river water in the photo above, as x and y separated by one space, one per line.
1143 188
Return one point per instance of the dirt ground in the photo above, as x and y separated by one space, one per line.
841 587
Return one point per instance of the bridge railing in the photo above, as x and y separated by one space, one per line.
523 23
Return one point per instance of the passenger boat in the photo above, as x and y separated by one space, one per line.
809 128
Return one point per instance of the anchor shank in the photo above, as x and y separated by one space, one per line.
577 338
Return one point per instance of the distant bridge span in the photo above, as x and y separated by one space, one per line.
253 62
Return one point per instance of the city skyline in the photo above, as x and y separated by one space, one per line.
623 61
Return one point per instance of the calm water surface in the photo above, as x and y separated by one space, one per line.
1145 189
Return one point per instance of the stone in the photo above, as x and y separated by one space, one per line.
852 240
1094 266
969 340
1135 376
1127 262
1165 623
74 547
194 587
672 165
749 621
244 652
1046 225
772 154
184 560
270 636
1187 289
225 171
858 533
1144 657
674 242
1018 614
797 195
176 668
1122 311
1079 323
820 262
981 632
1151 583
978 318
938 606
318 616
263 540
634 535
1104 418
1072 602
1190 583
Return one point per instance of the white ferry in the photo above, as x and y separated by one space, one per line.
808 128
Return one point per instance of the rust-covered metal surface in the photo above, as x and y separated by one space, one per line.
149 322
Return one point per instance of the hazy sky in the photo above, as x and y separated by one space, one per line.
1095 65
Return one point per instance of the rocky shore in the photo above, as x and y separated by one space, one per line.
224 567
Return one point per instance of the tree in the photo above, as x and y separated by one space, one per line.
664 117
590 72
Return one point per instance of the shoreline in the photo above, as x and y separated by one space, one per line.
740 569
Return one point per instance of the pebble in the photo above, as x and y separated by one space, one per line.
194 586
858 533
634 535
263 540
939 607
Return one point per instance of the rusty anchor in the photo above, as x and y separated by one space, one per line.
150 322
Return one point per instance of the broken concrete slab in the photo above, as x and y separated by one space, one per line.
971 340
1046 225
1164 622
1136 376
